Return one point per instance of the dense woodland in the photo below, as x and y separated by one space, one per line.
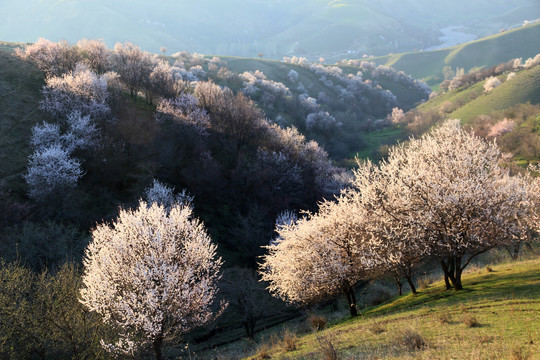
163 193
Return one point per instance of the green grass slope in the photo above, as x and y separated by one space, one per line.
497 316
20 85
492 50
517 100
521 89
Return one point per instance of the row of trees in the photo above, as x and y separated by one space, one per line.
443 196
460 79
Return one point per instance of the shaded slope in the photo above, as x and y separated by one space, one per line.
20 85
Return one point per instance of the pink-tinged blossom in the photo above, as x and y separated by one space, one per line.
448 192
491 83
502 127
133 65
510 76
82 91
184 109
152 273
55 59
532 62
95 55
318 256
397 115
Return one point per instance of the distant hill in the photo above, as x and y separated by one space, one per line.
492 50
332 29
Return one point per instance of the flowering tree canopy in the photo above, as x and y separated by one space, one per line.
318 256
447 191
152 273
51 170
82 90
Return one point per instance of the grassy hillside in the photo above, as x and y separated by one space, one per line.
521 89
20 85
486 52
474 101
517 100
495 317
278 70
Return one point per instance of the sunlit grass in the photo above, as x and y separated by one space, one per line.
497 316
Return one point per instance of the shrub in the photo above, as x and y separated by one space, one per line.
424 282
470 321
289 340
264 351
484 339
518 353
376 328
327 347
445 317
41 246
317 322
411 340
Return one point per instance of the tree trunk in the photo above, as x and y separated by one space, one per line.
399 284
445 269
335 305
411 283
447 282
457 277
409 278
249 326
452 272
513 250
351 299
158 343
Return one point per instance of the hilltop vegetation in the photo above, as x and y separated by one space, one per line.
332 29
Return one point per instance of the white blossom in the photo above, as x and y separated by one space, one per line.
163 195
491 83
45 135
82 91
293 76
51 170
152 273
